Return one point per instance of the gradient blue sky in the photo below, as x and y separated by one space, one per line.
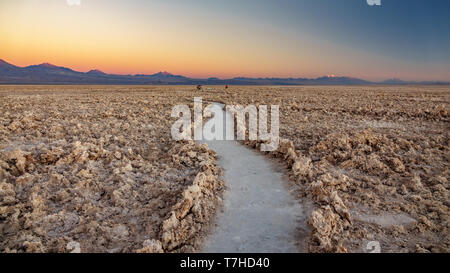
408 39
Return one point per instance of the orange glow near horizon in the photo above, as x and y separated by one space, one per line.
115 38
83 38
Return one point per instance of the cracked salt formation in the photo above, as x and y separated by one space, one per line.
85 170
365 150
96 165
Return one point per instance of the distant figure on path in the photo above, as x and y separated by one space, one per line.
199 87
226 86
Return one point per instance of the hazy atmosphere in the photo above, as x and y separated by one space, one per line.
255 38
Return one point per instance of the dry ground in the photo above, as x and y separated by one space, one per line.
95 165
95 168
373 160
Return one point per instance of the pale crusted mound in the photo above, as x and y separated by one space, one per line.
89 170
374 160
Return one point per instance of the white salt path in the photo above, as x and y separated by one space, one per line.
259 214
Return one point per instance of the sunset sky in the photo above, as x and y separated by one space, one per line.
211 38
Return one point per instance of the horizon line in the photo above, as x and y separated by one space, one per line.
393 79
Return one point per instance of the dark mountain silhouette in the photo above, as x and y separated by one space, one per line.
394 81
163 73
51 74
96 72
5 67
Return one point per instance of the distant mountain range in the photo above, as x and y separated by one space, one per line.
51 74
